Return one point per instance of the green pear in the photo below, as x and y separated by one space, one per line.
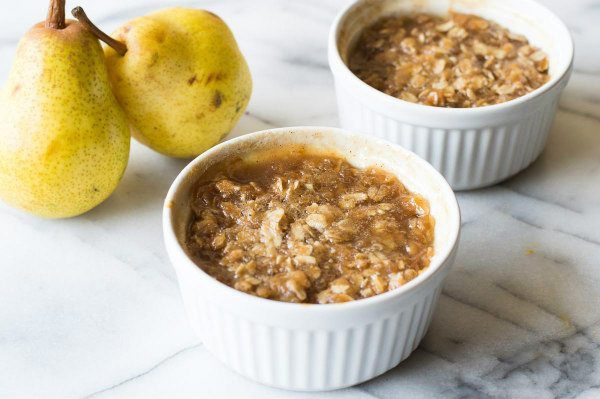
64 140
182 82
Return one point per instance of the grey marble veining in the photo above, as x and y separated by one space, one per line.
89 306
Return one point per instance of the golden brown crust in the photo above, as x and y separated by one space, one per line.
308 228
458 61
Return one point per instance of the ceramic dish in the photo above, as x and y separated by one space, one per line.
313 347
471 147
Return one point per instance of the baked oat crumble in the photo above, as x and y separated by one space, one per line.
458 61
308 228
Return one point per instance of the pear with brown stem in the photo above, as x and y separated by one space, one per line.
180 77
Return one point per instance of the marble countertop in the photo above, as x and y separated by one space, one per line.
89 307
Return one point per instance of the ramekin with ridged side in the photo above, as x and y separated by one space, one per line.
313 347
470 147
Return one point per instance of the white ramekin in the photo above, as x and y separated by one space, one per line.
472 147
313 347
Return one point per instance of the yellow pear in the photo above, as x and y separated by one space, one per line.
182 81
64 140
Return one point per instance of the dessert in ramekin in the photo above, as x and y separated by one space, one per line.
471 147
313 346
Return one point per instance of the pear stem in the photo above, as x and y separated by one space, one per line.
118 46
56 15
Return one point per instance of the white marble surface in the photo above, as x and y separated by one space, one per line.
89 307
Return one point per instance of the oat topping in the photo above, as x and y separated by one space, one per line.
458 61
308 228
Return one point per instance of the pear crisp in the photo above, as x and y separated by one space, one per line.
304 227
458 61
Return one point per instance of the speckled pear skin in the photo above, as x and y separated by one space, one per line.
64 140
183 82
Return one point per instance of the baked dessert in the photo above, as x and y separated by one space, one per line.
458 61
308 227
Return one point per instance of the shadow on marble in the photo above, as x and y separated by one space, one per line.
570 154
143 187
